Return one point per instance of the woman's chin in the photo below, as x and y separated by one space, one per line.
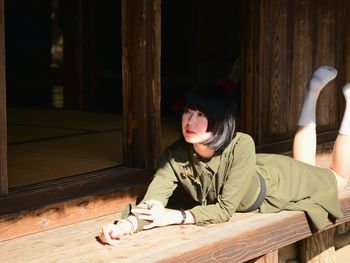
190 140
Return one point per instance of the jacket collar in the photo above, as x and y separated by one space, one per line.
212 164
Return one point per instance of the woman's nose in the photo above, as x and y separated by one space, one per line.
190 118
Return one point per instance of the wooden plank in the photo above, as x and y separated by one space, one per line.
141 82
61 214
245 237
3 124
248 238
301 30
296 37
188 242
33 204
326 27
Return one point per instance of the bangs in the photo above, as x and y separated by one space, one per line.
214 101
200 103
219 105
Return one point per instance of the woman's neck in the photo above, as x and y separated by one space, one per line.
204 152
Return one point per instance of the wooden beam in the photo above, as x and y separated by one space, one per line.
39 195
3 124
141 82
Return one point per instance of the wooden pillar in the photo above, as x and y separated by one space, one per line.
250 66
271 257
318 248
141 81
3 125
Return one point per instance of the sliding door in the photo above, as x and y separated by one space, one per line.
81 116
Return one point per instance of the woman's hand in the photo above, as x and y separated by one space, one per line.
154 212
111 233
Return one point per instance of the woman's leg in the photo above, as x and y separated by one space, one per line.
341 149
304 145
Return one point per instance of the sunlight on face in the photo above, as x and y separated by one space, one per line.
194 126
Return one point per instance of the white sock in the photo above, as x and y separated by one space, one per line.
345 123
319 79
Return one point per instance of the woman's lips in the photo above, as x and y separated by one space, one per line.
189 132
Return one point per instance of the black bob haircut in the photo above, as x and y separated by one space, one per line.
220 106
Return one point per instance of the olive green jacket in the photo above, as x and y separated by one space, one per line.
228 182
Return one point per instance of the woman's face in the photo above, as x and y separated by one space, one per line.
194 126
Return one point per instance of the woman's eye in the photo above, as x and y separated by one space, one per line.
188 111
201 114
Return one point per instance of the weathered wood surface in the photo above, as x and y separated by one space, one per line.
76 243
3 123
141 82
318 248
245 237
271 257
286 41
65 213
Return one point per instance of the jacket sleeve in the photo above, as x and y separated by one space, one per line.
160 189
164 182
239 175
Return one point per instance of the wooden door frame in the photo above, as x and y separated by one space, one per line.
3 122
141 129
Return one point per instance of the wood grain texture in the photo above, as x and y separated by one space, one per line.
141 82
318 248
250 66
61 214
250 238
293 39
246 236
3 123
300 27
271 257
171 244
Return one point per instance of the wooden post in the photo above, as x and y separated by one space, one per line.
271 257
318 248
3 125
141 82
250 72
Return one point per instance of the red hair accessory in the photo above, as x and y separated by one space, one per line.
225 83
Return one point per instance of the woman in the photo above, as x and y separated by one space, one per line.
219 169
